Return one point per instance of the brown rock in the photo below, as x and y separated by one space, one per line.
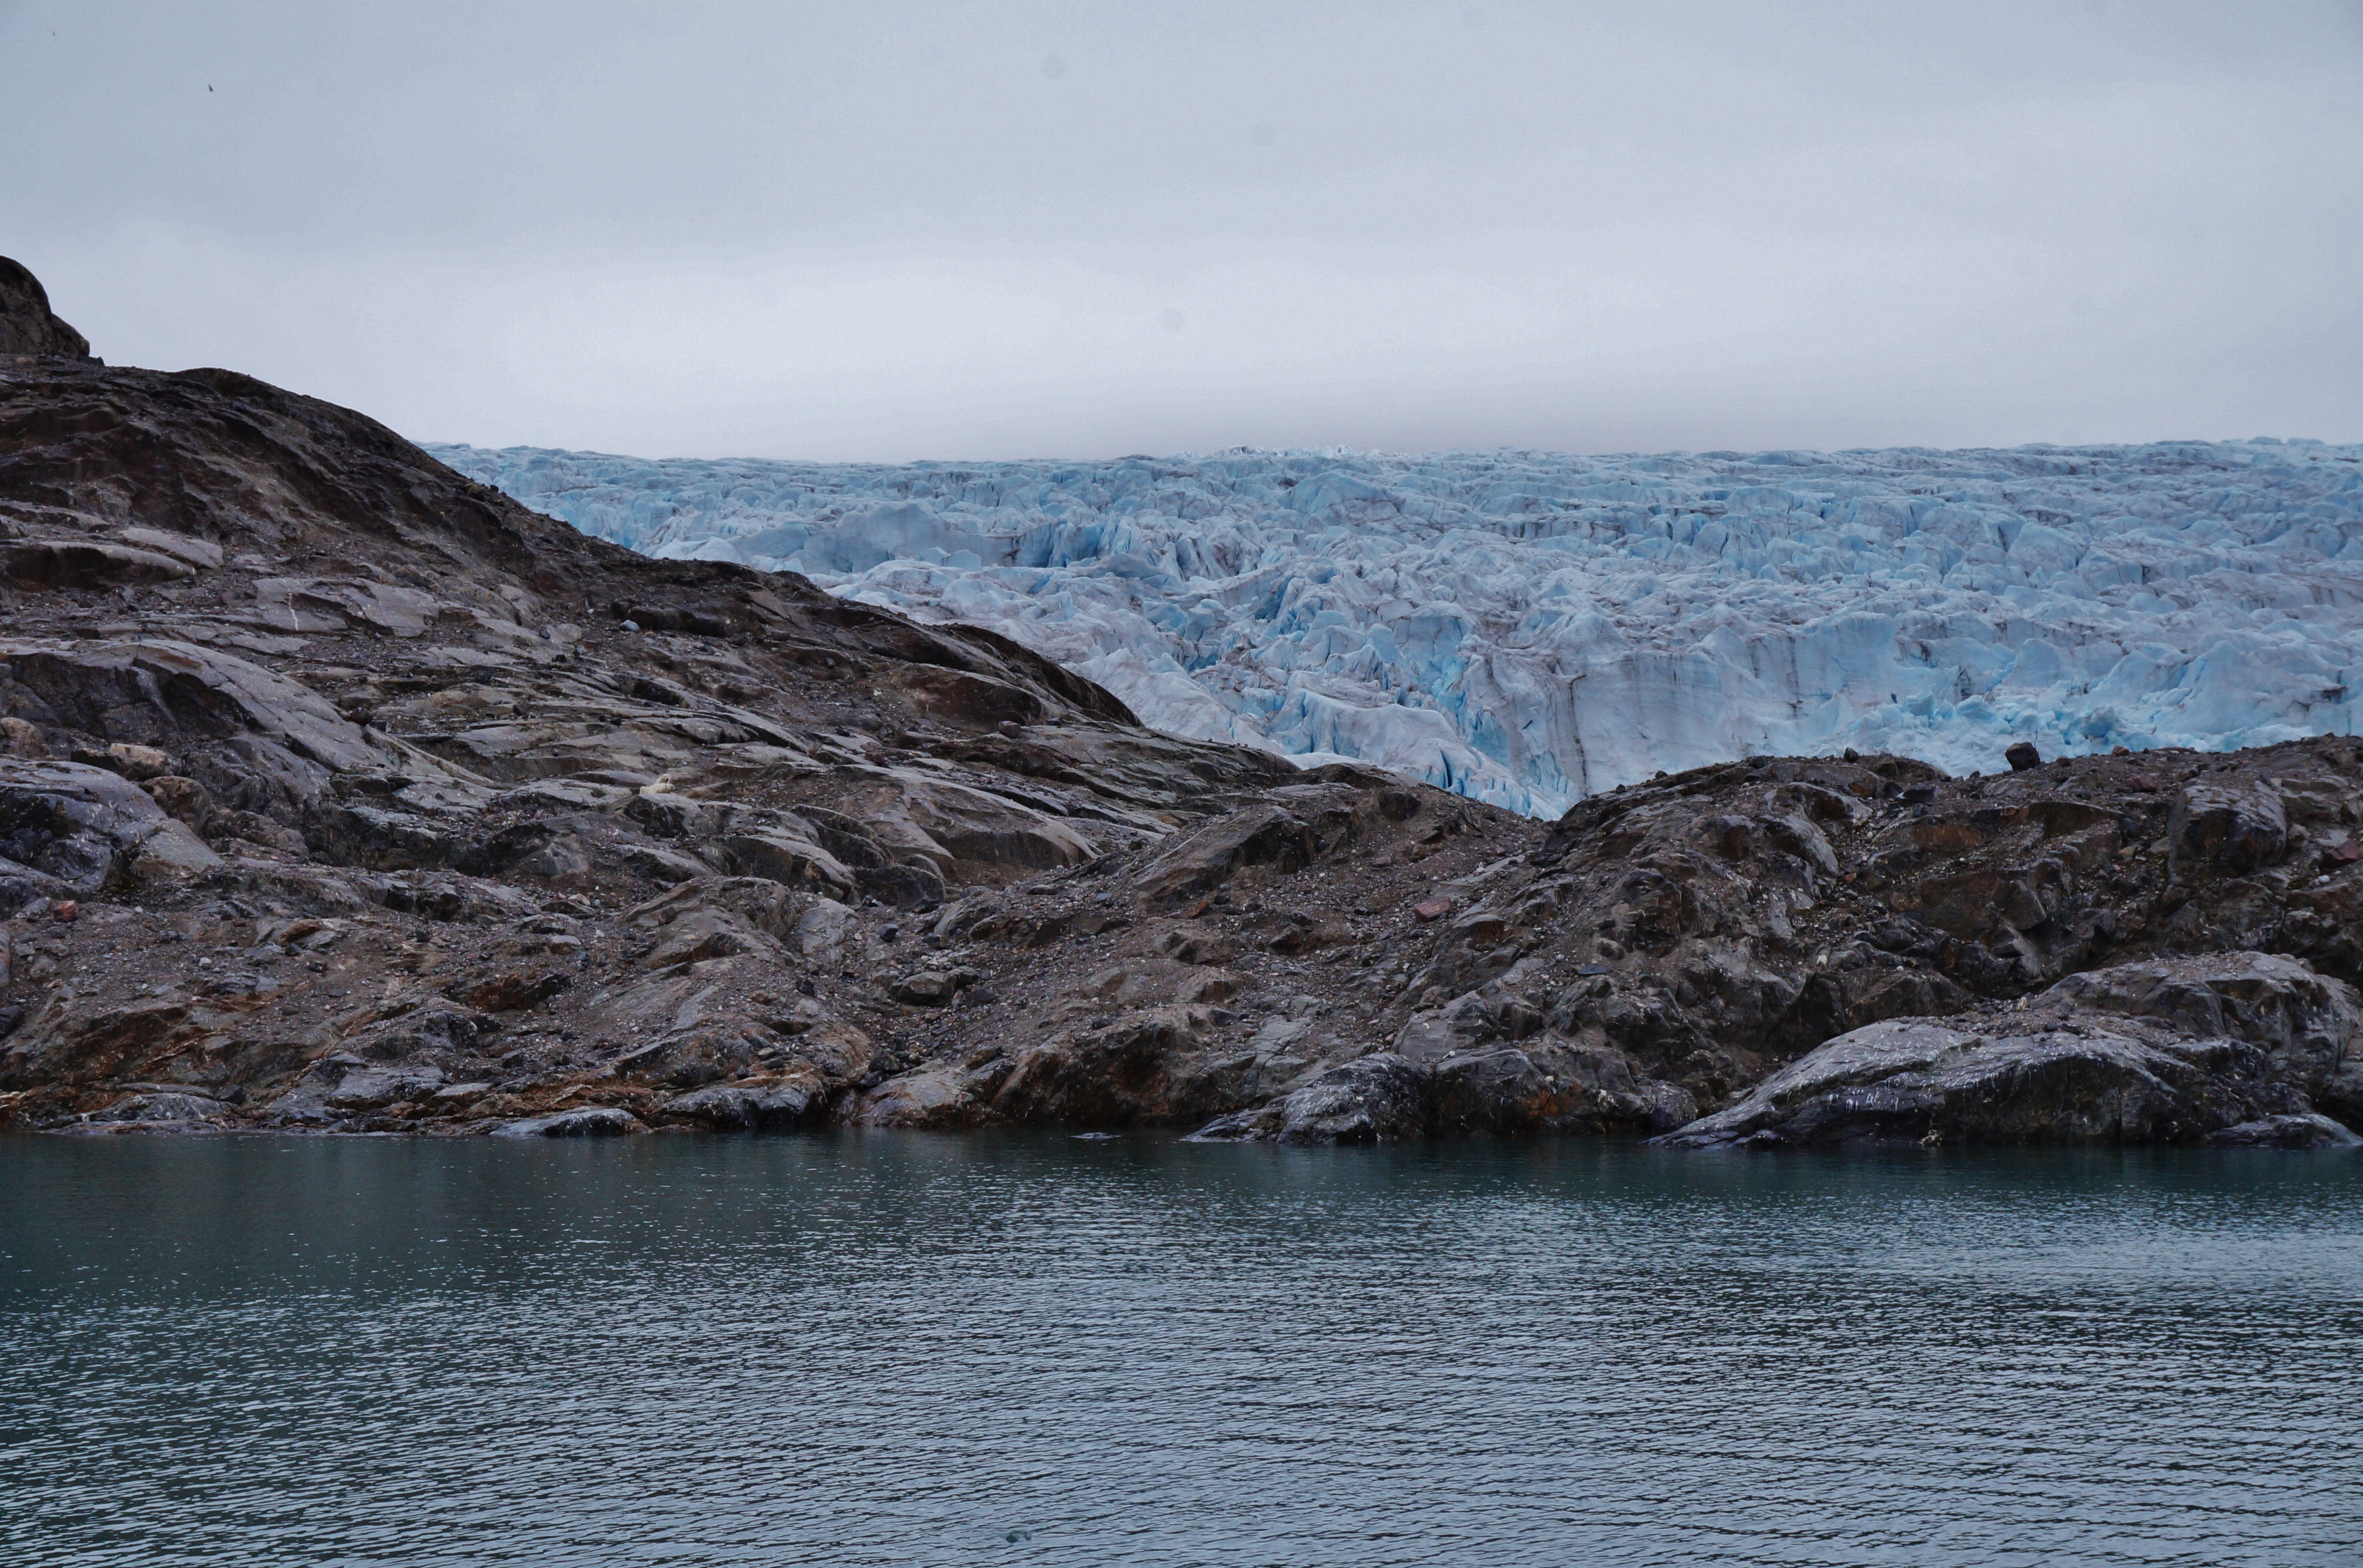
1184 944
1153 1068
136 762
1259 835
2236 825
932 988
21 739
510 992
180 799
86 564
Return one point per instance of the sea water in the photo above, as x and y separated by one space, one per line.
1040 1349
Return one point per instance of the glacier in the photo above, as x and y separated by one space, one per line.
1528 628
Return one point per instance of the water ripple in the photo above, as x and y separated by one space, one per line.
1031 1350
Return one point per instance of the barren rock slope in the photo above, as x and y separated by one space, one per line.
341 792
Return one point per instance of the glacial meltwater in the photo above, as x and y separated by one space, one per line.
912 1349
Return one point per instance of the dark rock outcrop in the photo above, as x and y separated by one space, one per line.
2228 1047
1371 1100
339 792
28 324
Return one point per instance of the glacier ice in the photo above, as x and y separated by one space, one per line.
1528 628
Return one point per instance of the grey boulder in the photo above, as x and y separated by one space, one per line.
2178 1050
745 1107
592 1122
1379 1099
72 829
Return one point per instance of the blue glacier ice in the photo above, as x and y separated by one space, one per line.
1531 628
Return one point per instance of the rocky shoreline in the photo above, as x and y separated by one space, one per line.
341 794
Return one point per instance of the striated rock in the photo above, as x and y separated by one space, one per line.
592 1122
1451 1074
202 553
1255 835
1553 1087
2310 1131
2307 1024
942 1099
165 1108
370 1089
751 1106
2153 1057
84 563
1152 1068
2233 826
782 854
160 691
68 827
1374 1099
373 787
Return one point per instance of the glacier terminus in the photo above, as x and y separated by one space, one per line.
1528 628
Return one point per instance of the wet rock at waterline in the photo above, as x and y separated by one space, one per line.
2233 1047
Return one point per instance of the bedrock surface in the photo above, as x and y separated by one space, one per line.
339 791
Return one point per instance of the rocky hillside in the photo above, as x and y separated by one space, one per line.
341 792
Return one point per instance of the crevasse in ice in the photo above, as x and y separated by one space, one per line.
1528 628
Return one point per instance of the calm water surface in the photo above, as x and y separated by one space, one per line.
904 1349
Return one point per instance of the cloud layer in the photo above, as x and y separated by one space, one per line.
888 232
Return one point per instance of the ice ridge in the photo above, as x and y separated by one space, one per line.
1531 628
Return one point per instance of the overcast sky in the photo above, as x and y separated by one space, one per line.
874 231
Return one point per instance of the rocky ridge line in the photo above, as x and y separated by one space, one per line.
342 793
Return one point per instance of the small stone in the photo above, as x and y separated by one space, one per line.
931 987
184 799
136 762
21 739
65 912
1214 986
1432 909
2023 756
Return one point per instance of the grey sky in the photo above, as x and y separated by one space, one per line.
966 231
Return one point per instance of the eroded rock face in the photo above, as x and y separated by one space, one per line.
27 326
339 792
1378 1098
71 830
2226 1047
1542 1085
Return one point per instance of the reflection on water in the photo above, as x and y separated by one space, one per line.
1042 1350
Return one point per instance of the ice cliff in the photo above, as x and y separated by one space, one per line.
1529 628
